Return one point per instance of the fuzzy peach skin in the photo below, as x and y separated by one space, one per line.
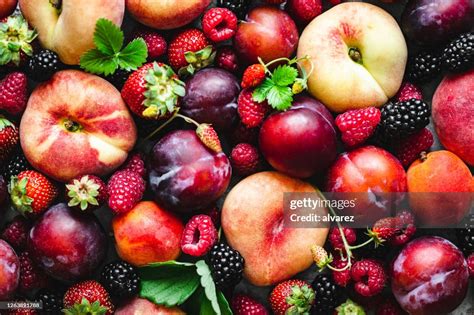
138 306
166 14
252 220
338 81
106 131
146 234
453 112
70 30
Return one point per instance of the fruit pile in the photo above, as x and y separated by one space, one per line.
147 148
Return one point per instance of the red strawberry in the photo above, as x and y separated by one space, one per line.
31 277
219 24
358 125
198 236
87 297
227 59
407 92
245 159
189 51
16 233
155 43
335 238
251 113
125 189
32 193
407 229
135 163
385 229
245 305
209 137
9 137
14 93
292 297
86 193
409 149
253 76
369 277
304 11
341 278
153 91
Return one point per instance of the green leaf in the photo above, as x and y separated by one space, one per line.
133 55
223 304
108 38
284 75
208 284
260 93
97 62
169 283
280 97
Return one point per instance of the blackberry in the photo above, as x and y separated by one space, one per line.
43 65
52 301
328 295
227 265
466 240
118 78
239 7
459 54
424 66
16 165
402 119
120 279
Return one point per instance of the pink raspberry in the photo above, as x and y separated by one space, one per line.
341 278
245 159
358 125
336 240
369 277
408 91
198 236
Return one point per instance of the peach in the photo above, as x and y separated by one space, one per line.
166 14
9 270
147 234
7 7
67 26
452 112
253 223
358 61
442 179
75 124
138 306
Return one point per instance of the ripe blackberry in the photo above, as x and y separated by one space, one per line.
43 65
52 301
466 240
15 166
402 119
239 7
227 265
459 54
328 295
120 279
424 66
118 78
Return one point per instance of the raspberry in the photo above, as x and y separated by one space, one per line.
125 190
16 233
155 43
227 59
31 277
408 150
136 164
251 113
389 307
336 240
407 229
243 134
358 125
470 265
245 305
245 159
199 235
304 11
253 76
341 278
407 92
369 277
219 24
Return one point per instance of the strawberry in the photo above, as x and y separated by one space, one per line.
245 159
251 113
190 51
86 193
125 189
245 305
155 43
13 93
209 137
253 76
15 38
407 92
320 256
9 137
409 149
87 297
385 229
32 193
358 125
292 297
153 91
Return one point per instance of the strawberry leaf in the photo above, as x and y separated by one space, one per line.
261 92
97 62
284 75
280 97
108 38
133 55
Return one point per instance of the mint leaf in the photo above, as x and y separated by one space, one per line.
260 93
280 97
133 55
284 75
108 38
169 283
97 62
208 284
